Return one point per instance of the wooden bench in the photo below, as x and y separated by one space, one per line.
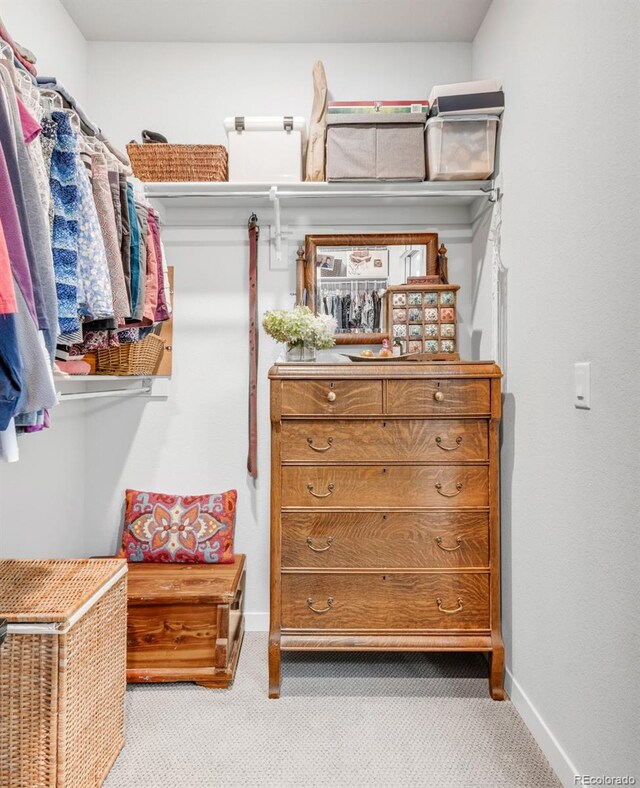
185 622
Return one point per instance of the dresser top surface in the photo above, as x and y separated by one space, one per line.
387 369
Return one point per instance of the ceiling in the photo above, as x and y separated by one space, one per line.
278 21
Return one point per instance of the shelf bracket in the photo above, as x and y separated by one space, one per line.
273 196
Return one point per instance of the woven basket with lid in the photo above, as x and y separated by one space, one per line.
62 671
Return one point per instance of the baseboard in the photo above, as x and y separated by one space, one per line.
550 746
256 622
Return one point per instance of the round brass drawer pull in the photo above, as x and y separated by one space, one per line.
332 396
330 487
320 448
444 609
449 448
449 549
449 495
438 396
319 549
324 609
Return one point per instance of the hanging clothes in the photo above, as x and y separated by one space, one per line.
93 267
66 209
104 207
33 227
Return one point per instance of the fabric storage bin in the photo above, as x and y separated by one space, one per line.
375 147
265 149
62 671
461 148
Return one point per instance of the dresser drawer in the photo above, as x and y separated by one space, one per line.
413 440
392 486
329 540
385 601
435 397
331 397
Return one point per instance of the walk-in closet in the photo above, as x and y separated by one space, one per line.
318 425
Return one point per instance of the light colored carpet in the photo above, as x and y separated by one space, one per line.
356 720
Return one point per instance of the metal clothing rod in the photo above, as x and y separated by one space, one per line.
113 393
315 195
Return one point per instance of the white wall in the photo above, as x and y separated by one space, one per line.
197 441
570 504
45 27
42 496
186 90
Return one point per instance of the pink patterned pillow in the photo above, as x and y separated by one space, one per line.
190 529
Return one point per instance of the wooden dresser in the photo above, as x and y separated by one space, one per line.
385 528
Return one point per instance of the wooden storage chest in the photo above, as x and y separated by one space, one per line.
385 510
185 622
62 671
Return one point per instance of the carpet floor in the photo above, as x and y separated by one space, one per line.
356 720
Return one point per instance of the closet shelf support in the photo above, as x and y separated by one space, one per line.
273 196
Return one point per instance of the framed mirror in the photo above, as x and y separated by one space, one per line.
346 276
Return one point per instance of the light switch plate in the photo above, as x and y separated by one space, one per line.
582 385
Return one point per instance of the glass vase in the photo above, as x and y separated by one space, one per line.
301 352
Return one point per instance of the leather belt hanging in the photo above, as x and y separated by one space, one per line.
254 232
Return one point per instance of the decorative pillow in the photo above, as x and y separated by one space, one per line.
189 529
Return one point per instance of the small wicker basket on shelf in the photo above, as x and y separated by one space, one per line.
141 358
160 162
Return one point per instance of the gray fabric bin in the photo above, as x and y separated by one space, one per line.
375 147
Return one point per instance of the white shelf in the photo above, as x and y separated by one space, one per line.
201 194
103 378
149 386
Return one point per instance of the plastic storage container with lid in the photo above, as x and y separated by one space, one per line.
461 148
265 149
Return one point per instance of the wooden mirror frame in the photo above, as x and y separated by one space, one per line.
307 264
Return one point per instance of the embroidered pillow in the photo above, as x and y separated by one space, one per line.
189 529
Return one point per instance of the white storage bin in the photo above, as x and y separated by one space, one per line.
265 149
461 148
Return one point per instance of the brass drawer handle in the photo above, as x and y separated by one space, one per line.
444 609
449 495
330 488
324 609
449 448
438 396
319 549
332 396
449 549
320 448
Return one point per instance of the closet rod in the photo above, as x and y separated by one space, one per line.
114 393
322 195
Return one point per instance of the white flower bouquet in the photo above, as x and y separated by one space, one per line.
300 329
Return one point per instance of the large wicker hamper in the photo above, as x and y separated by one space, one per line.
62 671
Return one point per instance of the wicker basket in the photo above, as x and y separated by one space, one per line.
62 671
161 162
141 358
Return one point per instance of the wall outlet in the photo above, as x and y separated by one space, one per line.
582 385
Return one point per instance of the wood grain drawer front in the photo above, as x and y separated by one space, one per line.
385 486
177 635
329 540
436 397
401 601
331 397
432 440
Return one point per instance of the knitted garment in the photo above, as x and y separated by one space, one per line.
64 237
